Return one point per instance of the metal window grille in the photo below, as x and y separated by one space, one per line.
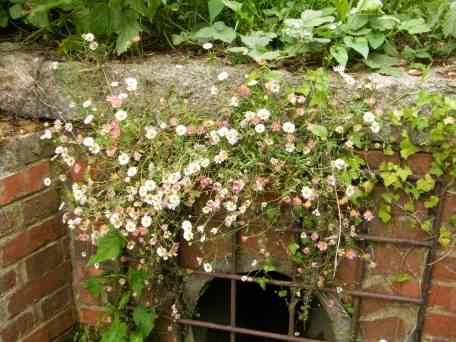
430 244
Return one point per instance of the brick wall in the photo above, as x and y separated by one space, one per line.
36 298
36 266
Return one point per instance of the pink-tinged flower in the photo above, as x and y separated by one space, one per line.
275 126
115 130
297 201
244 90
368 216
314 236
115 101
322 246
238 185
351 254
300 111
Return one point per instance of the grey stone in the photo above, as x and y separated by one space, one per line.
30 87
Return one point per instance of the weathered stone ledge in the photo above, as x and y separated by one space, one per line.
31 87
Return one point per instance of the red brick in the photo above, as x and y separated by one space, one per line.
40 206
55 302
449 207
445 269
54 328
17 328
391 259
375 158
91 316
438 325
370 305
10 219
23 183
7 281
443 296
78 170
401 225
34 238
420 163
36 289
347 271
391 329
86 298
408 289
44 261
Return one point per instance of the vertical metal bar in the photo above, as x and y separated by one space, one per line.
233 286
293 300
357 300
427 273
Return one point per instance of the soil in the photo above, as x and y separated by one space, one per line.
13 127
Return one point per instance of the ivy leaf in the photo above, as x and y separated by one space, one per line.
262 281
425 184
384 213
319 131
144 319
117 332
404 173
414 26
390 197
293 247
407 148
215 8
93 286
109 246
445 236
431 202
402 277
426 226
340 54
359 44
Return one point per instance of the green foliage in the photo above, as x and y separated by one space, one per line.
109 246
280 152
144 319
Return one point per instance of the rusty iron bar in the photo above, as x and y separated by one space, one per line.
376 238
418 243
358 293
233 286
293 302
427 273
357 300
244 331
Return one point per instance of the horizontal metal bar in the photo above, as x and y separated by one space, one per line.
356 293
369 237
244 331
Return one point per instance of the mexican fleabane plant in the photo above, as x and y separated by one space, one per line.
147 182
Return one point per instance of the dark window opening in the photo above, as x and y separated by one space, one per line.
256 309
